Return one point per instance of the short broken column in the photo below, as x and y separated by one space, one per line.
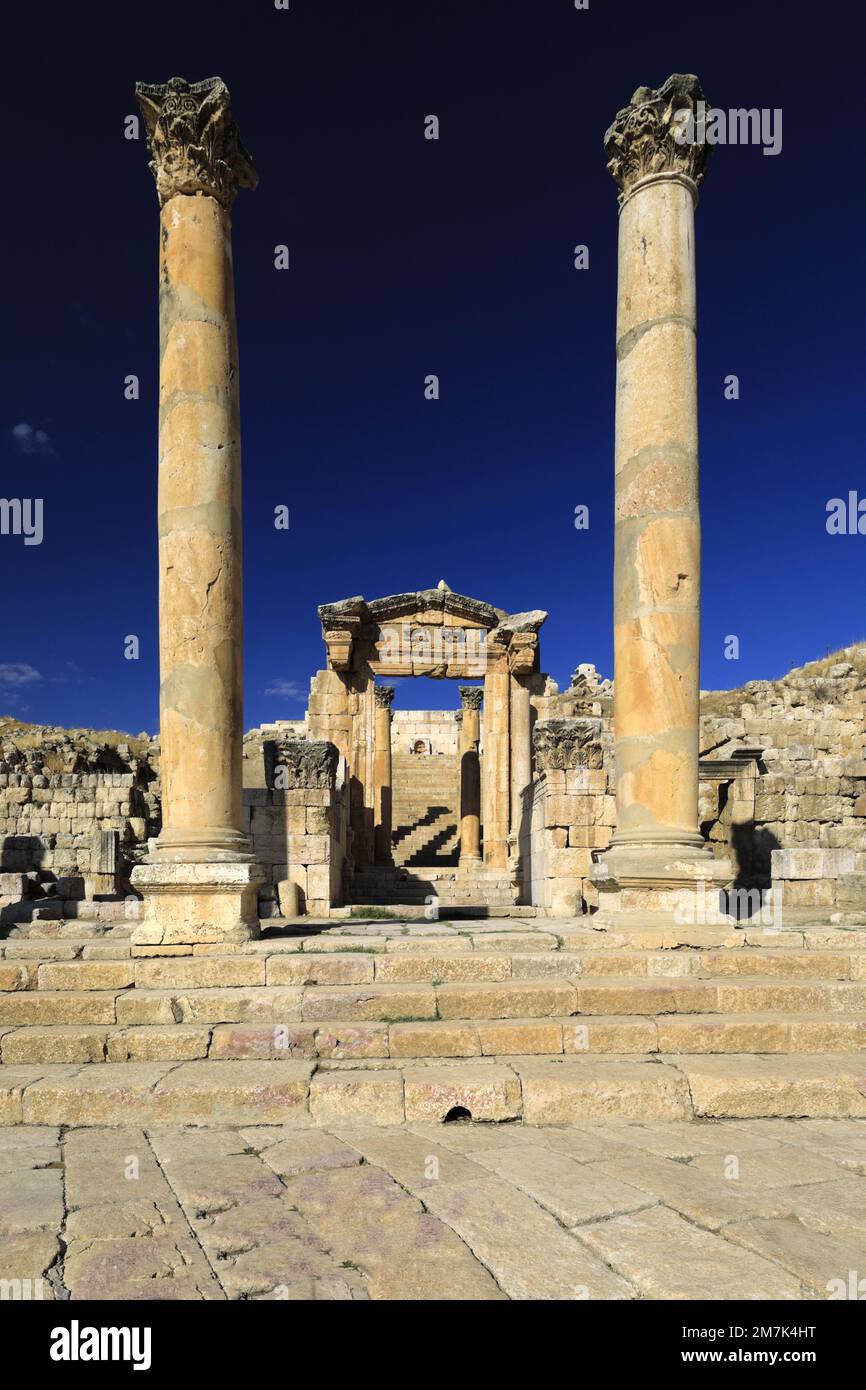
200 882
657 848
382 776
470 776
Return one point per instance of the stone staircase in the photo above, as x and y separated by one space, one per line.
544 1023
424 812
410 892
430 840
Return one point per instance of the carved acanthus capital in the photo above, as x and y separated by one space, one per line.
193 140
291 764
471 696
655 135
384 696
566 743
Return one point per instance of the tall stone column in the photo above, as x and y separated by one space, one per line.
200 882
382 774
657 846
521 750
497 788
470 776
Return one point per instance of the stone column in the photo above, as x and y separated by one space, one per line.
382 774
470 776
657 843
521 751
200 882
497 789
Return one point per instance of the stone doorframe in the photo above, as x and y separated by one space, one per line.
437 633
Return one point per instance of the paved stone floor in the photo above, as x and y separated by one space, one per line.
615 1210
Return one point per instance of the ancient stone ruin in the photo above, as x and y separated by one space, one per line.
629 898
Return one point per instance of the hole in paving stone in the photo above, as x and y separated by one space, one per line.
457 1112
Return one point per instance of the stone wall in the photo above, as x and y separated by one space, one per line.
782 791
298 824
76 811
573 811
435 729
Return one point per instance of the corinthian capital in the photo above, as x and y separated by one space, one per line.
193 139
383 694
659 132
471 696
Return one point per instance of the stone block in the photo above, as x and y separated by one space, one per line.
234 1093
487 1092
369 1097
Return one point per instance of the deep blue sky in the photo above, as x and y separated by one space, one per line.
411 257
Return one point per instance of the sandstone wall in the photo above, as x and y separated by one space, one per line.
76 810
298 824
436 729
783 770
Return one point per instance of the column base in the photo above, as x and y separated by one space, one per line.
193 903
681 878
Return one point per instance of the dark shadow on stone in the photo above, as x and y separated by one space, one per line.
752 845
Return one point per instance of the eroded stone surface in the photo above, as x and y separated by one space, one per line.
610 1209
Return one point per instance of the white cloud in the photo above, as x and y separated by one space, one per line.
17 673
286 690
27 440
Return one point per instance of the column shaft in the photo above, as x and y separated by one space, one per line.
657 532
470 778
496 766
382 775
521 755
200 583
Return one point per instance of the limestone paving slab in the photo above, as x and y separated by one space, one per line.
523 1246
665 1257
403 1251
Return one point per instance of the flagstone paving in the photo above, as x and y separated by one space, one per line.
602 1210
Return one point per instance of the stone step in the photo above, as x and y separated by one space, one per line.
439 841
489 958
336 1040
535 1091
249 999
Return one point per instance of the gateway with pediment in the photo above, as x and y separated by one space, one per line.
469 794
